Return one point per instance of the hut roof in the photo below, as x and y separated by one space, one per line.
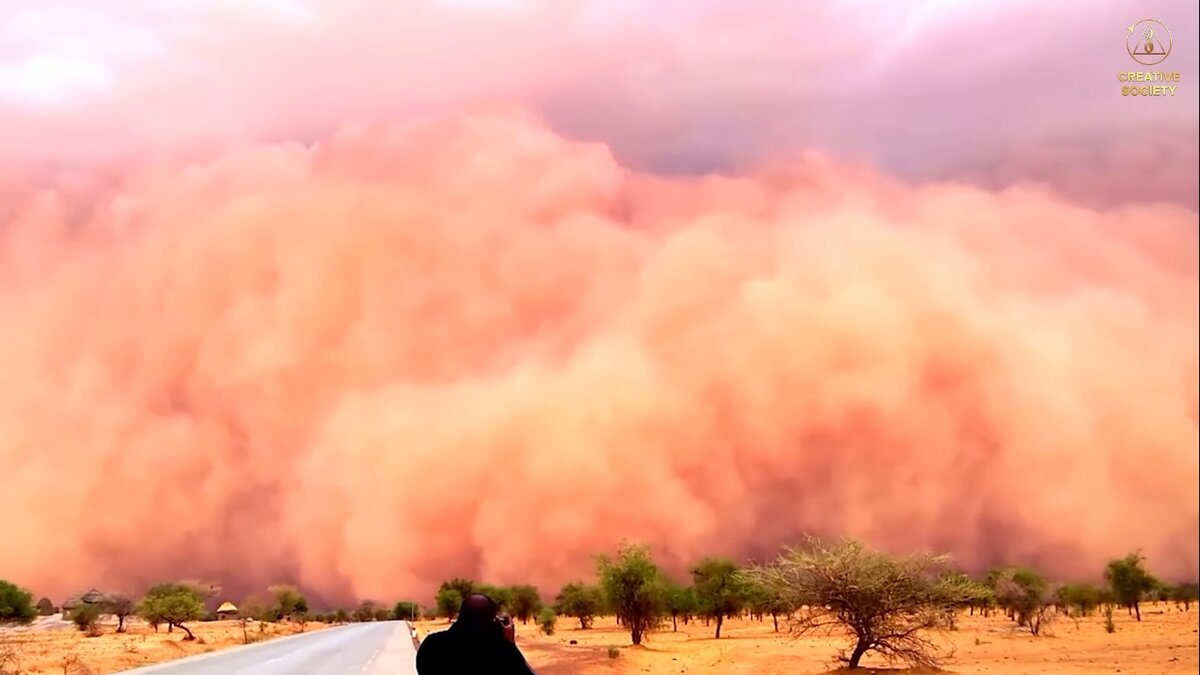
227 607
92 597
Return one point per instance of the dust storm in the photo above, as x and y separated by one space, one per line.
476 347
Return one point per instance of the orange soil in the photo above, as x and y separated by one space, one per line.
1164 642
52 651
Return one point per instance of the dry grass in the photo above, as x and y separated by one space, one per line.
66 650
1164 642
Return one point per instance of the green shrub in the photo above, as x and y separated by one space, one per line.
546 619
87 619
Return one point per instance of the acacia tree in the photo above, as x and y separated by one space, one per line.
581 601
1184 594
1078 600
288 601
121 607
681 603
1025 595
366 611
719 590
766 601
255 608
525 602
883 604
1129 581
635 589
448 601
173 604
406 610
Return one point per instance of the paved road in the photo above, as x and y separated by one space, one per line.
378 648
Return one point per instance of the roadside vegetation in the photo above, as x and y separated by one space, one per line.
892 606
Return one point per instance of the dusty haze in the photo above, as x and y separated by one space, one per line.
281 280
291 361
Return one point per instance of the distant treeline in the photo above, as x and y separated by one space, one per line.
882 603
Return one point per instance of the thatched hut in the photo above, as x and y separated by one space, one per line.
92 597
227 610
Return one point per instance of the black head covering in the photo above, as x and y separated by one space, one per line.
477 614
476 643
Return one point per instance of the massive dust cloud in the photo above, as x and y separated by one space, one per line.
476 347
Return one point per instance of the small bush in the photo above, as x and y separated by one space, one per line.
613 652
1109 625
10 655
73 665
87 619
546 619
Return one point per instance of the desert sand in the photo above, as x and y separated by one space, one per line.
1164 642
62 650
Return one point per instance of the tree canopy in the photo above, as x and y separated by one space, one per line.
288 601
16 604
526 603
1129 581
448 601
635 589
580 601
719 590
406 610
174 604
883 604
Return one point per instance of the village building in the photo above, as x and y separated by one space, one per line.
227 610
92 597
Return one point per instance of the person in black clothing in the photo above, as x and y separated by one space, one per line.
475 645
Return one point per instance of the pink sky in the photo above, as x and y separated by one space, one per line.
277 277
994 90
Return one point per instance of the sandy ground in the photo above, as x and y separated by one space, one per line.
45 649
1164 642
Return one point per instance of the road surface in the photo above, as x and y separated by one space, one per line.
376 648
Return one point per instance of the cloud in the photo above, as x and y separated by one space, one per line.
919 88
473 346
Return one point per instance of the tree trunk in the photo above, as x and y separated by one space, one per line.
856 656
775 619
1137 611
720 620
674 625
635 634
120 624
184 629
170 628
